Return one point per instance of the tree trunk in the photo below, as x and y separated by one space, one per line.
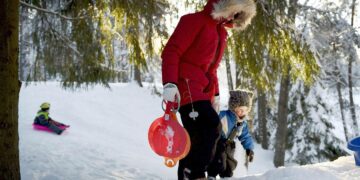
281 132
262 119
341 103
228 70
351 97
338 78
237 76
22 46
9 90
137 76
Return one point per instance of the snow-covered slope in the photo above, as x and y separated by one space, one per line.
108 139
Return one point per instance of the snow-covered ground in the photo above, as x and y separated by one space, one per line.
108 139
341 169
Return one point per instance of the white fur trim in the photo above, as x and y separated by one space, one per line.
226 8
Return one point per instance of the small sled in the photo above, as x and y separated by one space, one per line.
168 138
45 128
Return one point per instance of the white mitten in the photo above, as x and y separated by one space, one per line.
171 92
216 103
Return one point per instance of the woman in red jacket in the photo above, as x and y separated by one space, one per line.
190 61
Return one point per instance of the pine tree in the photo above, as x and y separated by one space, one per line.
273 50
352 59
311 132
311 119
335 40
76 42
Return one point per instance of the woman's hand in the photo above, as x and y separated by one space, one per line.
171 92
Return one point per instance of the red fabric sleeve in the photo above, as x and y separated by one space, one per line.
182 38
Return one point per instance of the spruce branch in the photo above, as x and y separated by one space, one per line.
67 43
50 12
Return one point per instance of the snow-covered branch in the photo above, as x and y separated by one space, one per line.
67 42
50 12
305 7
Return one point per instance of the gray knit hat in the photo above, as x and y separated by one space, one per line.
240 98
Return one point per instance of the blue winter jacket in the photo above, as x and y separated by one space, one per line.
228 121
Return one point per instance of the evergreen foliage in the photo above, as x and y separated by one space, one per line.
311 137
306 143
82 50
267 48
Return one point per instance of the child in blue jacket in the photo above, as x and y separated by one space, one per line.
234 125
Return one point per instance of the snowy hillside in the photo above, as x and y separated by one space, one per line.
108 139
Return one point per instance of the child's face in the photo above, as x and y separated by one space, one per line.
241 111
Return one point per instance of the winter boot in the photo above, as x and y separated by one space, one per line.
60 132
187 173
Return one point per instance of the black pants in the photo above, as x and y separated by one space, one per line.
204 133
224 162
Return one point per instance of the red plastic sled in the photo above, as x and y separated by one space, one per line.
168 138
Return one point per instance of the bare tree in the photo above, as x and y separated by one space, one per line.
351 96
339 82
262 106
281 132
228 69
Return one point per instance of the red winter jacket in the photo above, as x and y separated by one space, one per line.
193 53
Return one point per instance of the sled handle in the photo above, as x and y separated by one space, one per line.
170 106
170 162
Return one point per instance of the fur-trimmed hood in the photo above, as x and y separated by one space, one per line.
221 9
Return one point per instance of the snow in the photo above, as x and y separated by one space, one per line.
108 139
341 169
